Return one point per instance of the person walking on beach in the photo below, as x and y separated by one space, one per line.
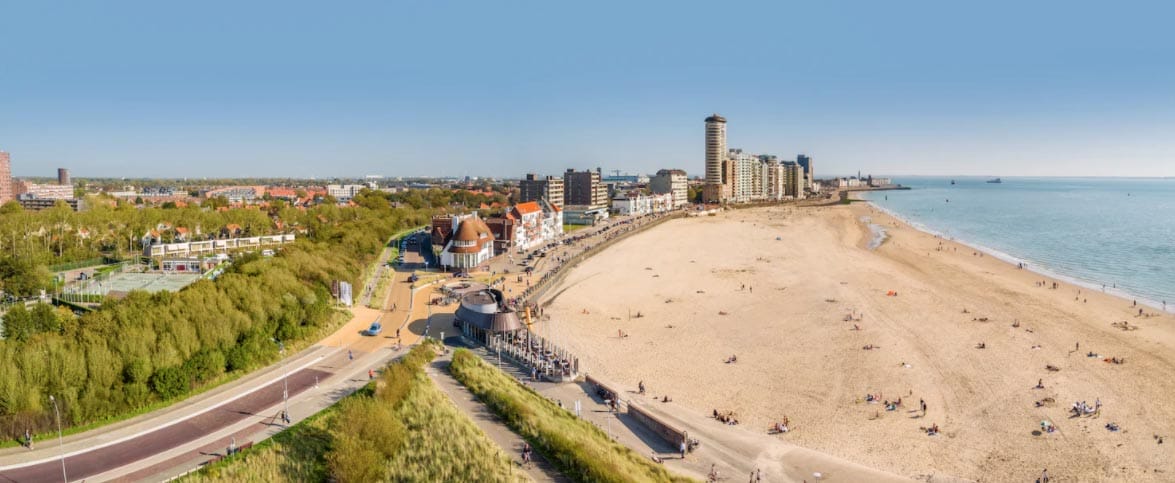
922 403
1044 476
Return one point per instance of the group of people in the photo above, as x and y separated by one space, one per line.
1047 427
1080 408
726 417
782 426
889 405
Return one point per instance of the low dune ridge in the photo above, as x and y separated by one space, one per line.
777 288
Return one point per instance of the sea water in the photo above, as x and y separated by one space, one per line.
1119 232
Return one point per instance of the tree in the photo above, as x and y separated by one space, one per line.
18 323
216 202
11 207
22 276
137 370
44 319
169 382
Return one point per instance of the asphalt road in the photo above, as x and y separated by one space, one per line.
144 445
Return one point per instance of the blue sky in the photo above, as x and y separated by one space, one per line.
503 88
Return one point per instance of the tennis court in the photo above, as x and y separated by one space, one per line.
126 282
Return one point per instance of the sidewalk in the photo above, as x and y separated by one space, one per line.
260 426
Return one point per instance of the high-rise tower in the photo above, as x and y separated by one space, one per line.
63 177
713 191
805 162
6 178
715 148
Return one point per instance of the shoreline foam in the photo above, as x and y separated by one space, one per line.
1030 265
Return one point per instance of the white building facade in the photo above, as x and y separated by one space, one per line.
472 243
674 182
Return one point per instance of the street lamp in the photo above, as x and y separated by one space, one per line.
60 442
281 351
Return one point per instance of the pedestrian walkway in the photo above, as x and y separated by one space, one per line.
510 442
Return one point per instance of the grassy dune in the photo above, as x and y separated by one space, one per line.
580 450
401 429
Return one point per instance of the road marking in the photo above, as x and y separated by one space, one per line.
173 422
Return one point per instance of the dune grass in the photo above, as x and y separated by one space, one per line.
579 449
400 428
444 444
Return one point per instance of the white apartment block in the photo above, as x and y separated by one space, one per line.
636 203
344 192
673 182
43 191
745 165
776 180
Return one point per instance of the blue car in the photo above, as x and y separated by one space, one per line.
374 330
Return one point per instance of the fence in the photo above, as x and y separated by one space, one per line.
89 262
534 352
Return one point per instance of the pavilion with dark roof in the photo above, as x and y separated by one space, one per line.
484 313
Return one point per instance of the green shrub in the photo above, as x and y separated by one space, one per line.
169 382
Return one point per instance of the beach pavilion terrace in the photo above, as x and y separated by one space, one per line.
484 318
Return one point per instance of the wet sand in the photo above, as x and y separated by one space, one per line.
711 287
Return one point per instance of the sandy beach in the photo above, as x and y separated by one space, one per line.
774 286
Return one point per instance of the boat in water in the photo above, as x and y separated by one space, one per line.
995 181
952 181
